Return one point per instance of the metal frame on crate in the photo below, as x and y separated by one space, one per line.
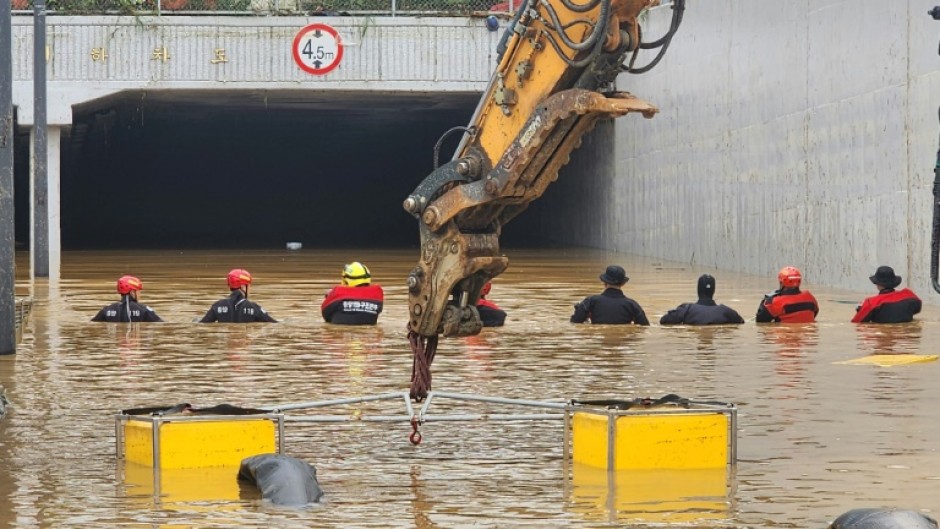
422 414
157 421
696 408
560 411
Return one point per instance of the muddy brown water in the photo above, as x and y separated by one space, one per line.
815 437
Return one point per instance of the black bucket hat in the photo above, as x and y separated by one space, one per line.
614 275
885 277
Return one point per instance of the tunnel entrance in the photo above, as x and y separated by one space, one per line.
223 170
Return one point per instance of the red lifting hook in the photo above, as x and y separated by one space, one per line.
415 436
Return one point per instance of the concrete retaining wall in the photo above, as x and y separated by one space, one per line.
791 132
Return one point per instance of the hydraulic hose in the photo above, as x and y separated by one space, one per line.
678 9
597 31
596 37
580 8
437 146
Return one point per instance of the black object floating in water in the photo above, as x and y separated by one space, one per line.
883 519
283 480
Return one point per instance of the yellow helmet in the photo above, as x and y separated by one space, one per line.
355 274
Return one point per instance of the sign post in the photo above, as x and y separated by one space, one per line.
317 49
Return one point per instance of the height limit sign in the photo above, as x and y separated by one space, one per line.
317 49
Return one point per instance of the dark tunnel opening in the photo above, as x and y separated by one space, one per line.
178 170
21 196
257 170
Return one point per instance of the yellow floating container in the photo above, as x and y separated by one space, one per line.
197 441
680 434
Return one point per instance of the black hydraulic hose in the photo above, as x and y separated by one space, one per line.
599 28
580 8
677 12
678 9
437 146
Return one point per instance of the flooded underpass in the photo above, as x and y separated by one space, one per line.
816 437
175 168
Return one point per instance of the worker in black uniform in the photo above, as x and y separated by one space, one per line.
236 308
128 309
704 311
611 305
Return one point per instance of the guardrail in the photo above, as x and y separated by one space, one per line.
22 307
267 7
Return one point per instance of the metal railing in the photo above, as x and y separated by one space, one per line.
22 306
267 7
422 414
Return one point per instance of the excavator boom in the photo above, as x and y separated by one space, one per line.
558 61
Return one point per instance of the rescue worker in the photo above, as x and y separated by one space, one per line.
490 313
611 305
236 308
704 311
889 305
788 304
356 301
128 309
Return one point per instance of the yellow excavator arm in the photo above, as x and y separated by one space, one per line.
558 61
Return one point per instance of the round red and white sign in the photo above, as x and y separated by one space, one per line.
317 49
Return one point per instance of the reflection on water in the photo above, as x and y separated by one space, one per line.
686 496
815 437
889 339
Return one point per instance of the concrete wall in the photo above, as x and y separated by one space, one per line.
388 54
791 132
569 211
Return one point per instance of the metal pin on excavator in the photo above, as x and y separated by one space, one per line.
557 64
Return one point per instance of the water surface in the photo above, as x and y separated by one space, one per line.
815 438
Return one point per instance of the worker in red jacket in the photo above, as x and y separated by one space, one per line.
490 313
889 305
788 304
356 301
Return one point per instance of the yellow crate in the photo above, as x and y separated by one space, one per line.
665 437
197 441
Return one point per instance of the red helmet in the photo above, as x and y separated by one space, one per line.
238 278
790 276
127 284
486 289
